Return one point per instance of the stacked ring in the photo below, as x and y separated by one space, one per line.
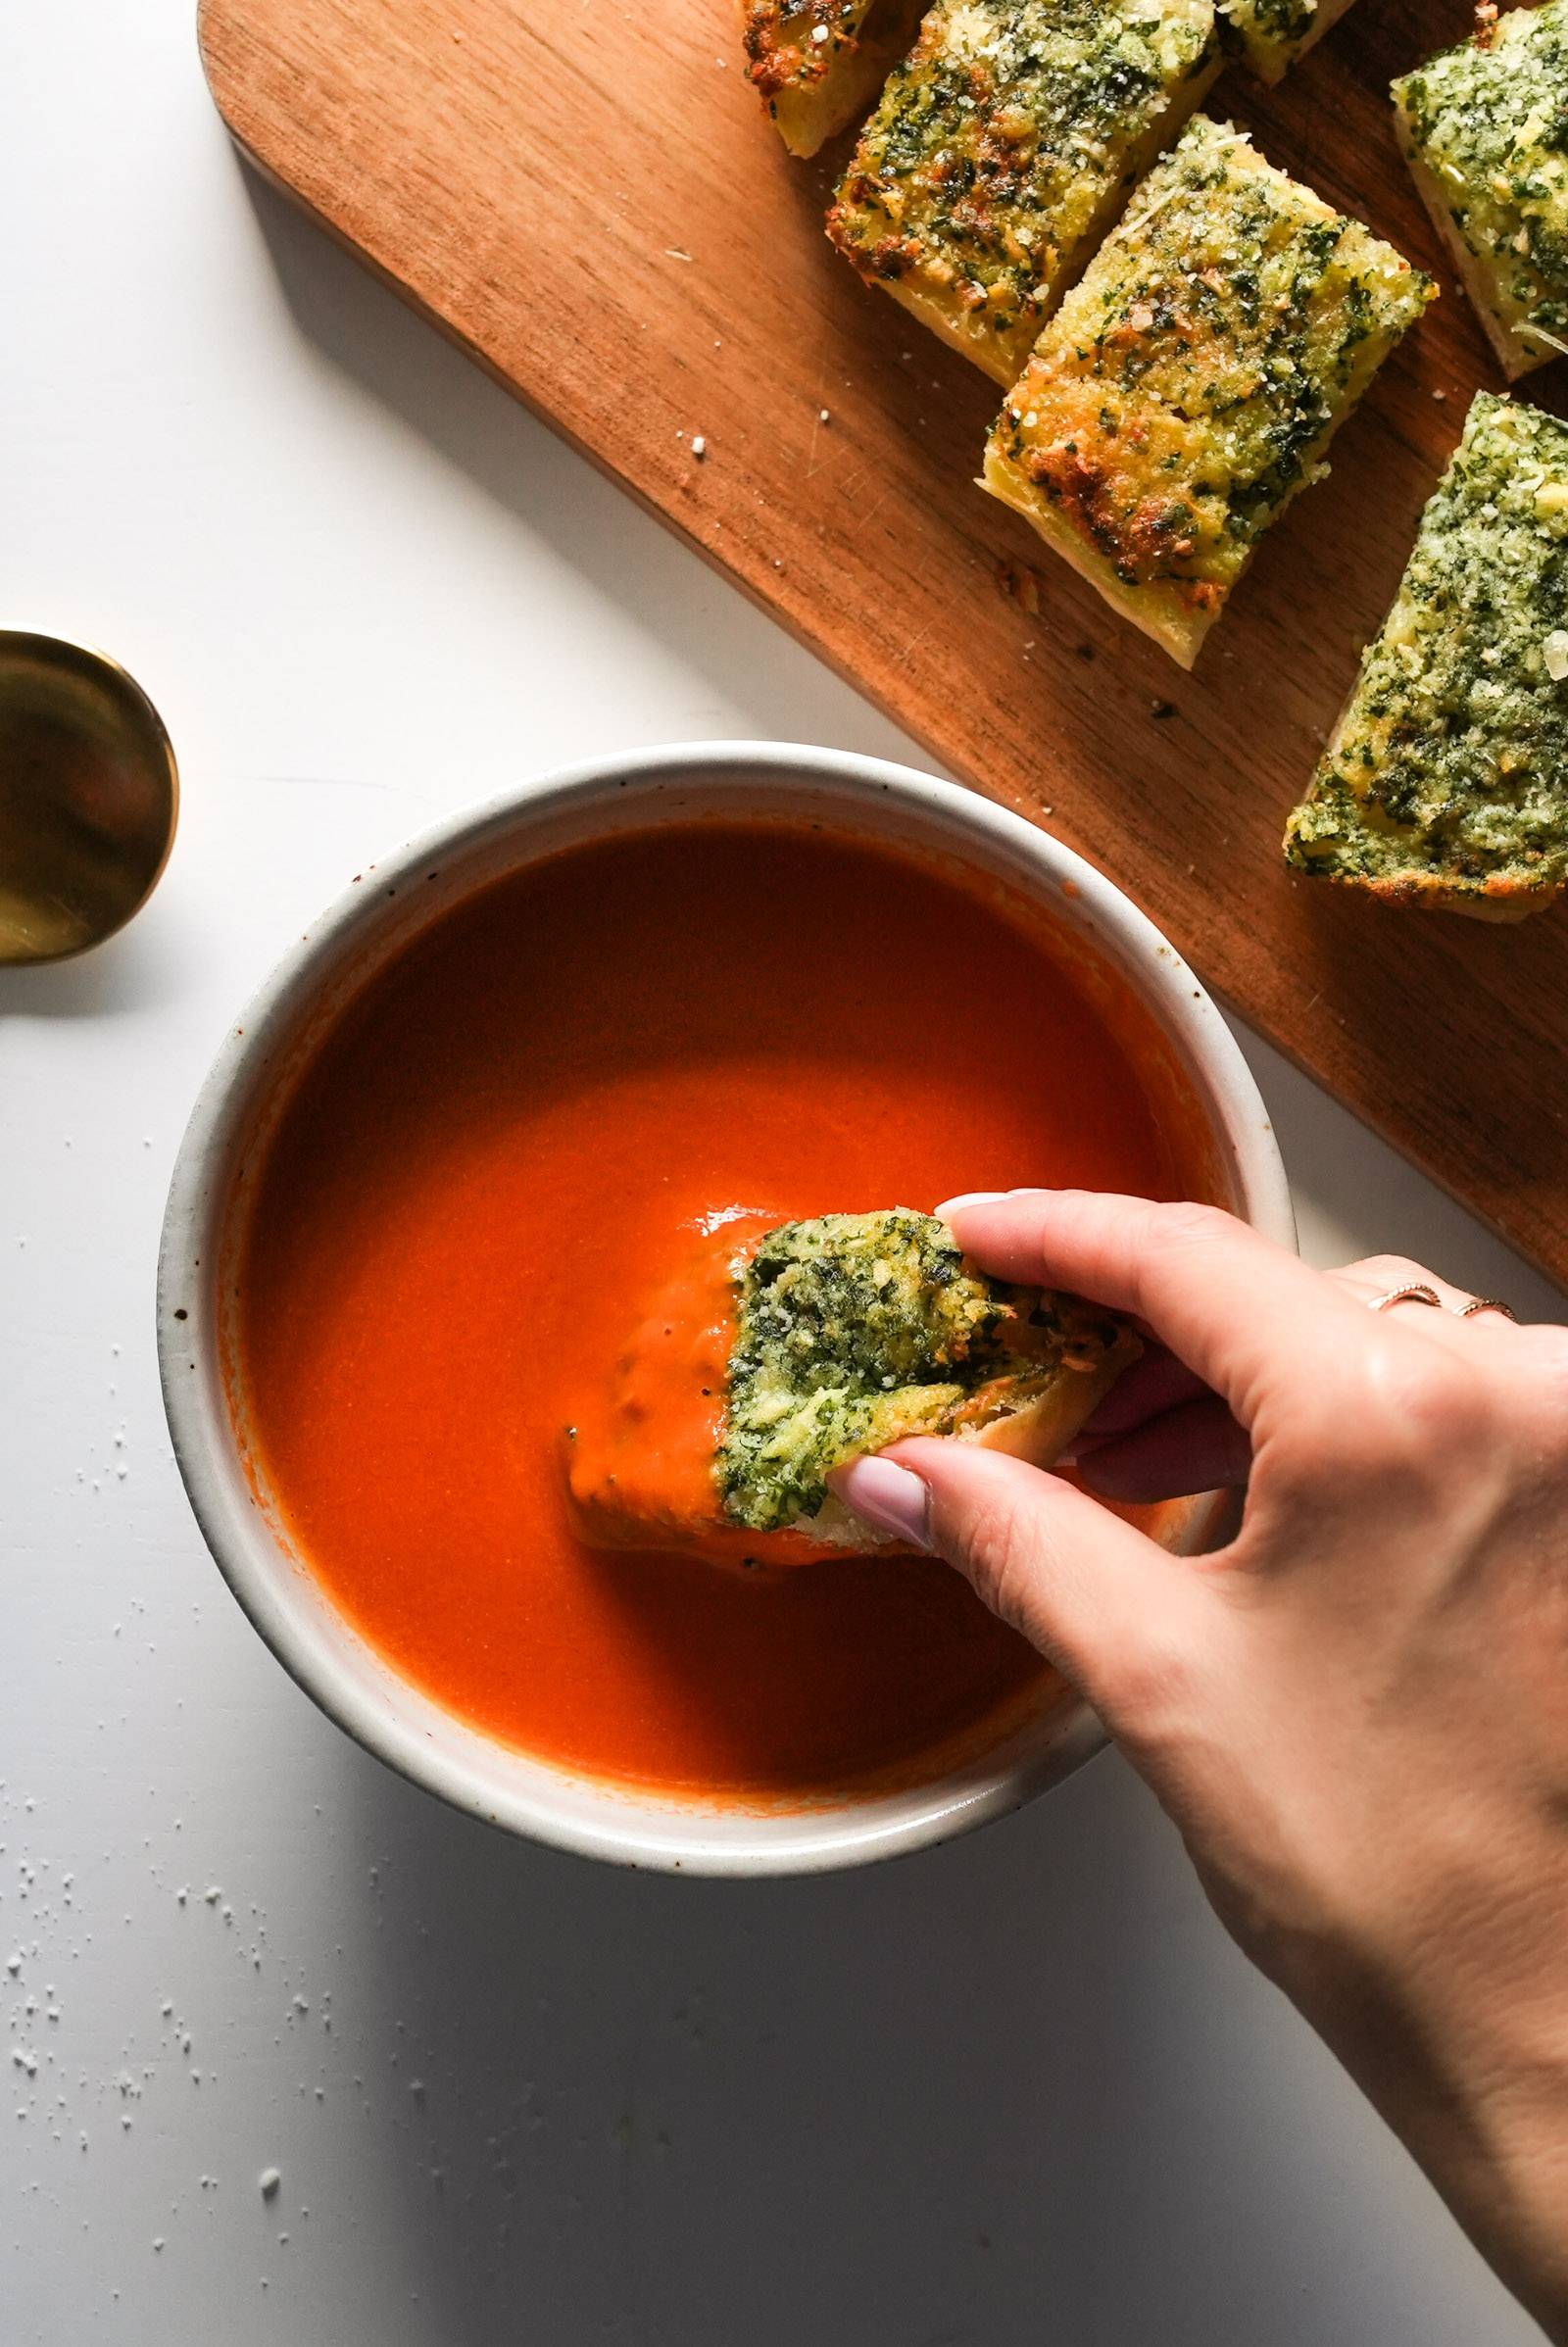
1418 1293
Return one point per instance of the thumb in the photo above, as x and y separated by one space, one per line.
1113 1611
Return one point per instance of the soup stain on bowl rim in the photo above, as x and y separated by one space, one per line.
382 910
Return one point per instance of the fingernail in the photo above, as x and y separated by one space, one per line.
968 1198
888 1496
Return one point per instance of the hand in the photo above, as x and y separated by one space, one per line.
1356 1712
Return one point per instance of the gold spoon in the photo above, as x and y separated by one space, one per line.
89 796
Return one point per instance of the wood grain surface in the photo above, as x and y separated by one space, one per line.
586 196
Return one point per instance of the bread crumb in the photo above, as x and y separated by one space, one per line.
1021 584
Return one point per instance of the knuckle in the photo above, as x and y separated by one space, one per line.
1544 1353
1396 1414
1182 1227
1537 1398
1187 1223
1417 1414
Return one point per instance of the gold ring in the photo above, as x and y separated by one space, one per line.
1418 1293
1487 1304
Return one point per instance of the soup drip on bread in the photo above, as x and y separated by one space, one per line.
778 1352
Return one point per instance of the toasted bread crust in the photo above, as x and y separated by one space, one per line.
815 88
1516 351
1161 611
1499 900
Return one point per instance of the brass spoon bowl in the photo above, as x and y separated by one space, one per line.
89 796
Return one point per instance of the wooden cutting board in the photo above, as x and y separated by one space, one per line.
586 196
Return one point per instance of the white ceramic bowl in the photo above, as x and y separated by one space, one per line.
367 924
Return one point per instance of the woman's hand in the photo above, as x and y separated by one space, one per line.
1357 1711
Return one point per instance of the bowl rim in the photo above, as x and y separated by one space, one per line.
392 1720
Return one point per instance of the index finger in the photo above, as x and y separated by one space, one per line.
1239 1309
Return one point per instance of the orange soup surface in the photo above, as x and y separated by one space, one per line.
493 1160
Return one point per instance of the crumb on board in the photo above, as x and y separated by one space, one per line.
1021 585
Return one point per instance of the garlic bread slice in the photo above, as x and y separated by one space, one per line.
1481 128
818 64
1003 149
1274 35
1446 781
1187 388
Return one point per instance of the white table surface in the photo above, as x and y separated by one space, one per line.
1020 2089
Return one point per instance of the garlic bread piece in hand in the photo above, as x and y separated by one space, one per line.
837 1337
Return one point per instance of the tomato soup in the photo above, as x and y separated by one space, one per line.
492 1160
